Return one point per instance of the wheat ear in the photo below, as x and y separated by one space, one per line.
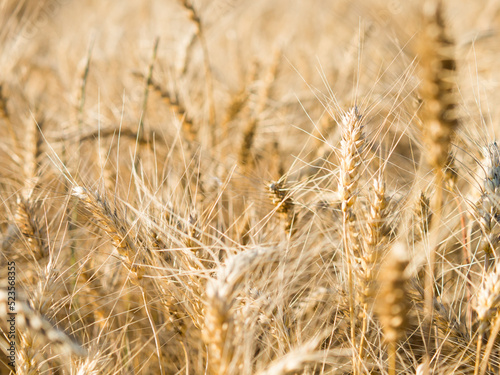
239 101
488 302
209 81
284 203
30 321
118 230
488 206
351 148
178 109
377 232
250 129
5 116
30 228
219 328
439 118
147 87
392 302
114 226
438 65
81 92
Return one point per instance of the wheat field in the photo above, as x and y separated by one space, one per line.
249 187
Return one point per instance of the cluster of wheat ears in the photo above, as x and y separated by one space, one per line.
180 196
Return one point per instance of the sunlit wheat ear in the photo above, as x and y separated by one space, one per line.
377 220
422 369
250 129
200 33
4 112
376 236
25 220
350 151
488 302
392 302
80 94
238 104
284 203
488 207
218 323
6 118
31 230
374 239
437 62
33 151
115 227
350 159
296 359
422 217
189 130
488 298
30 321
351 148
219 331
93 364
450 173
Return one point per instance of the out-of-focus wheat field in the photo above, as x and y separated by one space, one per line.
249 187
